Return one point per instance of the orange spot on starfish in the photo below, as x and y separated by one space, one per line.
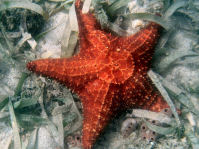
109 73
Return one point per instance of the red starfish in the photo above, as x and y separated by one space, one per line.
109 73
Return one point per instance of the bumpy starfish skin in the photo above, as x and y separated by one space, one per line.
109 73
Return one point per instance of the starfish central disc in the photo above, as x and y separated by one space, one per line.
118 68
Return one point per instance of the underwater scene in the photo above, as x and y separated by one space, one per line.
99 74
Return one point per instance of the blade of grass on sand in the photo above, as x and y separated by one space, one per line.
25 103
58 121
162 118
3 102
164 93
23 4
32 119
70 36
86 6
20 84
17 140
174 7
149 17
32 142
159 129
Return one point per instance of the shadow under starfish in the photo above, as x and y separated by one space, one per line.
109 73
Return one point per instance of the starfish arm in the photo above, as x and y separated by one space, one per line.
87 21
96 46
97 95
60 68
140 42
93 40
139 92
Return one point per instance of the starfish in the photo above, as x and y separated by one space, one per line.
109 73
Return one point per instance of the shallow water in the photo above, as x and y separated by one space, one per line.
37 112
